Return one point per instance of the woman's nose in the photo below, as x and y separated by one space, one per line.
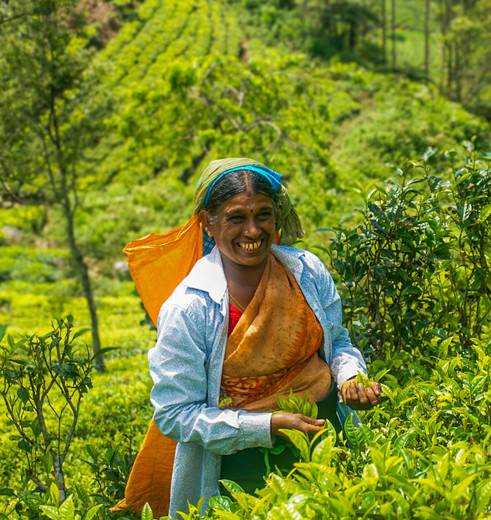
252 229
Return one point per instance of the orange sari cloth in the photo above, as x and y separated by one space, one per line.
158 263
273 348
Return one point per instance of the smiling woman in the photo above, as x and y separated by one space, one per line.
252 321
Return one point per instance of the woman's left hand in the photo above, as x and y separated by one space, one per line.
295 421
359 398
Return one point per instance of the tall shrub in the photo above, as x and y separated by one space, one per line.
418 266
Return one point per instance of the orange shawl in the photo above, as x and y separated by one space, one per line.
158 263
274 346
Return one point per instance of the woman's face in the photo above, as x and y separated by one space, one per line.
244 228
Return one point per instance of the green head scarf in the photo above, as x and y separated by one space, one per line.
287 221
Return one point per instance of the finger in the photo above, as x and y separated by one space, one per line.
372 398
352 392
307 424
357 398
362 395
373 393
352 398
376 387
345 389
311 420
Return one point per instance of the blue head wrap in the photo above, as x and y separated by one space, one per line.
270 175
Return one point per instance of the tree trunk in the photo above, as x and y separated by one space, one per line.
443 59
59 476
427 40
449 70
457 73
450 52
384 31
393 30
83 275
62 189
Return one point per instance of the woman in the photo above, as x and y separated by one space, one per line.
251 321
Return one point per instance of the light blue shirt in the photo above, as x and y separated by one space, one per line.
186 368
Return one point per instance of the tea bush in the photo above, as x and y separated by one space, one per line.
24 263
43 380
418 266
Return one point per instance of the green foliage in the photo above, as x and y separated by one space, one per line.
110 219
362 379
43 128
401 120
110 472
78 506
23 218
417 269
43 380
67 510
444 43
30 266
297 404
410 459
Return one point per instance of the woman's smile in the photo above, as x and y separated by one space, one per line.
248 246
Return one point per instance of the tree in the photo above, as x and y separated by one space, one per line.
465 54
393 31
47 120
427 38
384 30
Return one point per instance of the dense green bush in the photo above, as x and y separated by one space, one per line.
401 120
418 266
31 265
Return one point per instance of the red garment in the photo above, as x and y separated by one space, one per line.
235 315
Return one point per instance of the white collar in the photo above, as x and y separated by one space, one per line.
207 274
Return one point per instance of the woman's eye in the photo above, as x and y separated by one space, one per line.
236 219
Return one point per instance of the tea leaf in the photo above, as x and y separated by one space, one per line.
147 513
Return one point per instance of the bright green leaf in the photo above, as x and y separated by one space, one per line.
147 513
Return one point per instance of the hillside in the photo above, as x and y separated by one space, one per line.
179 101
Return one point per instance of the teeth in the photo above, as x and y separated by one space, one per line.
251 247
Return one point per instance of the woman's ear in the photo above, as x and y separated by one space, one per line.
205 221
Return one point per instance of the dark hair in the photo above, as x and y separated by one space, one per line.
238 182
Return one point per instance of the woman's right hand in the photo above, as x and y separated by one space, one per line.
295 421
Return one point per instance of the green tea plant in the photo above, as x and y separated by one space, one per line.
422 454
42 382
418 266
70 509
110 472
147 513
298 404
